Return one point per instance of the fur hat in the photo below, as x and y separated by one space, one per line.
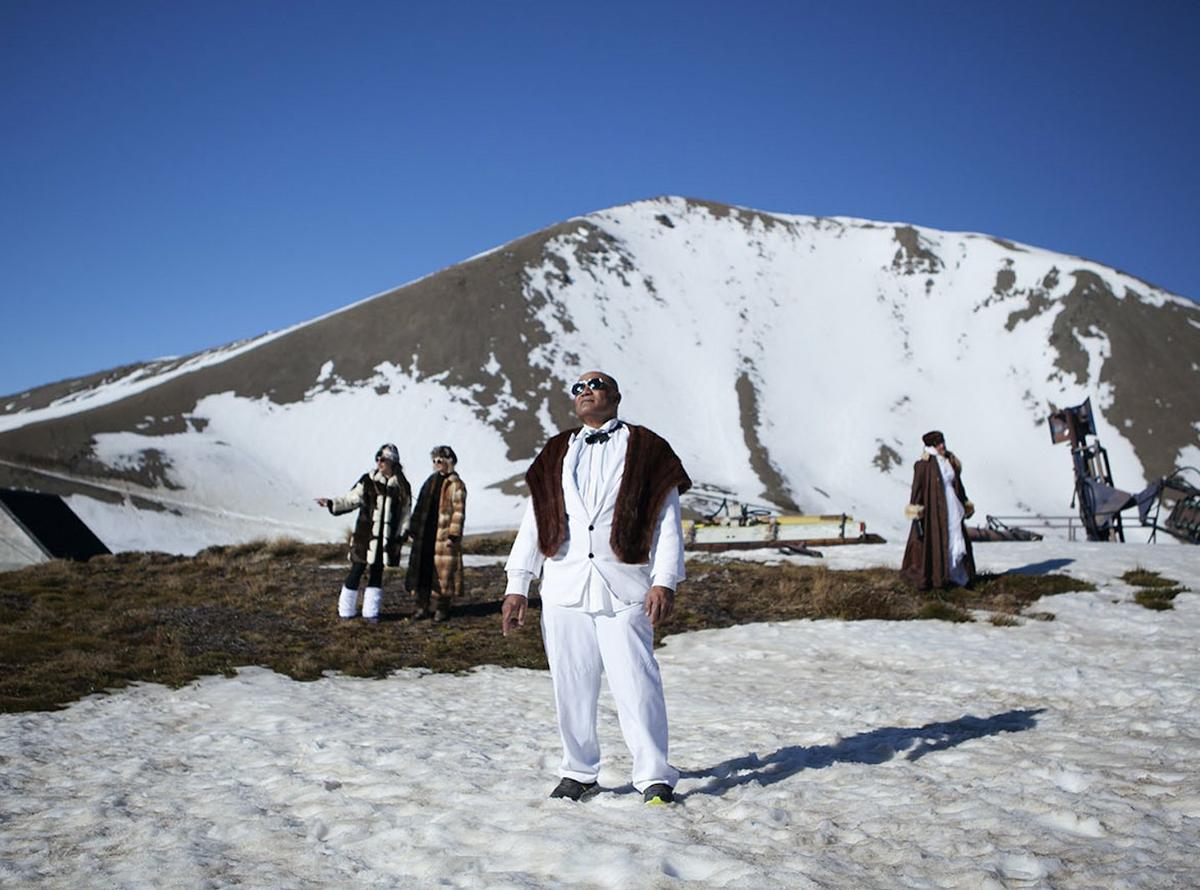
933 438
444 451
388 452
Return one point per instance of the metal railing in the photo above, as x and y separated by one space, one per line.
1070 523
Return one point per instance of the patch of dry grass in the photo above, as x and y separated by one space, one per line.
1159 599
71 629
1012 593
1156 592
490 543
1139 577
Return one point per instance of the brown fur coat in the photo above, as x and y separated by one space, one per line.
447 570
926 557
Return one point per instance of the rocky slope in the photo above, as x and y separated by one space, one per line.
792 360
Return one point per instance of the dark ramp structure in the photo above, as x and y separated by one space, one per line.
35 527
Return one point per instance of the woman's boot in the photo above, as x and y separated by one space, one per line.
348 603
372 597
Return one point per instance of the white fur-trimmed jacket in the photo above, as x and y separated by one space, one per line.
383 504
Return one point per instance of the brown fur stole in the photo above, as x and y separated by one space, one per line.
651 470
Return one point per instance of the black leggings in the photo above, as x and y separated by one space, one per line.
374 578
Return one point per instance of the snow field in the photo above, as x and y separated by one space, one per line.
813 754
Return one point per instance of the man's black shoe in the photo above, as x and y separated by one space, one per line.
658 794
572 790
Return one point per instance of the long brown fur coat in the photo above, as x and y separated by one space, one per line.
926 557
447 571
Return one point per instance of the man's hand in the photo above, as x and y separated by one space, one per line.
512 613
660 602
324 502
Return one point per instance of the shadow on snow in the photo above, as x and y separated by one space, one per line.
876 746
1040 568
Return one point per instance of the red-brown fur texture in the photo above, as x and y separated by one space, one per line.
651 470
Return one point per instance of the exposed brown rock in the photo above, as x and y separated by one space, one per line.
1037 302
776 489
1156 399
744 215
886 458
35 480
488 305
1159 396
913 257
1005 279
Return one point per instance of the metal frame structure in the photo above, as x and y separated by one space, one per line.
1090 462
1183 521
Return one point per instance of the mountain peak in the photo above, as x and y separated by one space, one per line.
792 359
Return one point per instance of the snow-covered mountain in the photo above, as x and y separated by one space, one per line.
789 359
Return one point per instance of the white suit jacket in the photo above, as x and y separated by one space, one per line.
585 571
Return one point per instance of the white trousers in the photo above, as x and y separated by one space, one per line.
581 646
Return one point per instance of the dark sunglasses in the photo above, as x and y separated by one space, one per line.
440 460
594 383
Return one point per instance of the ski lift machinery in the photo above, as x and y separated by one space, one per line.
726 523
1100 502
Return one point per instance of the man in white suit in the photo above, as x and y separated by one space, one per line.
603 529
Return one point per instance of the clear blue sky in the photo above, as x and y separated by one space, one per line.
175 175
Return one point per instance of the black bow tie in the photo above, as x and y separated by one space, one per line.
600 437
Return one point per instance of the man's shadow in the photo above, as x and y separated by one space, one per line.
876 746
